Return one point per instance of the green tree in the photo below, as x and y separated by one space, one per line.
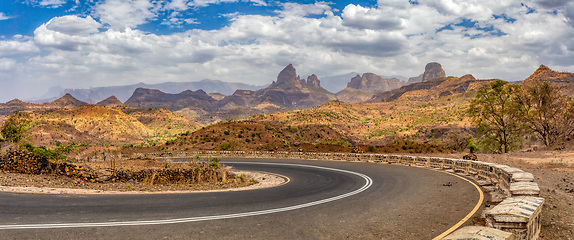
15 129
545 111
493 111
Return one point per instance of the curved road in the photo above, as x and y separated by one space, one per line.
402 203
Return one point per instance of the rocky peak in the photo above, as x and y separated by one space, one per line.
564 80
240 92
288 75
371 82
144 91
467 77
542 69
313 81
433 70
355 82
68 101
112 101
416 79
545 73
16 102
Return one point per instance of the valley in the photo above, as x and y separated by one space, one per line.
426 117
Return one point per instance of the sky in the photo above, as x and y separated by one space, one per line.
93 43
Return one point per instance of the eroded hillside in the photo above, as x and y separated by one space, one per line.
101 125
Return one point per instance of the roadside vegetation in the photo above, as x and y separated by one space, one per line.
506 115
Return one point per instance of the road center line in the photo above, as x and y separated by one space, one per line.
368 183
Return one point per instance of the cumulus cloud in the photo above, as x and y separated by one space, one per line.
68 33
487 38
74 25
17 46
121 14
301 10
370 18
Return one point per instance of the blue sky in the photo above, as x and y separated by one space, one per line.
91 43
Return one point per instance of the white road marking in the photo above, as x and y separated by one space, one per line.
368 183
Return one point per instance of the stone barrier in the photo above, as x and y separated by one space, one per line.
479 233
517 216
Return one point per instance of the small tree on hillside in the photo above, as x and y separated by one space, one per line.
493 111
15 129
545 111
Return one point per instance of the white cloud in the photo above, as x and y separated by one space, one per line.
302 10
395 37
17 46
259 2
121 14
3 16
178 5
47 3
370 18
74 25
203 3
7 64
68 33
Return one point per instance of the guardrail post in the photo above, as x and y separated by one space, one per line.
519 215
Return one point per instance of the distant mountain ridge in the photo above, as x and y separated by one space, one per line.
337 83
289 91
123 93
153 98
432 89
361 88
65 102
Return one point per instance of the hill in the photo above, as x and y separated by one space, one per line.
432 89
244 135
93 124
98 125
165 124
422 117
110 102
66 101
564 80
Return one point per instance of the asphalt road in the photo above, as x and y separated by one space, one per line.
401 203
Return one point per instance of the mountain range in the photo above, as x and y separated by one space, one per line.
431 112
123 93
289 91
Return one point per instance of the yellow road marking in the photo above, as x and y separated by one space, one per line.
469 215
